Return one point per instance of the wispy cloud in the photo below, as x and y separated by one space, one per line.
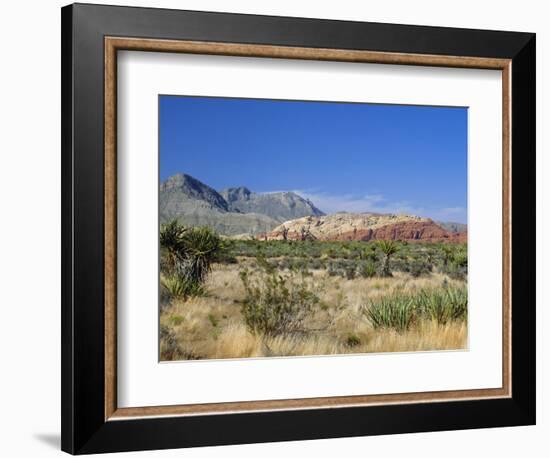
377 203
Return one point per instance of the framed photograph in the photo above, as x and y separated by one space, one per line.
281 228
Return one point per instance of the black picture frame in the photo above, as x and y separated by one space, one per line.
84 429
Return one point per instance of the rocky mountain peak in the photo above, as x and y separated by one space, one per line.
190 188
280 206
236 194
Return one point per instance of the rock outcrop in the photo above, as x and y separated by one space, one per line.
366 227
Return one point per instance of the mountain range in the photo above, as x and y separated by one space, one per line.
231 211
241 212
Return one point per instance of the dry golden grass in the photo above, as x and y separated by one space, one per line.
211 327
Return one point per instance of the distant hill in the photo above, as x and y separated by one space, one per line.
234 211
453 227
364 226
281 206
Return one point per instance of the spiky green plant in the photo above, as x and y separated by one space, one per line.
180 287
399 310
188 254
201 245
448 253
460 258
367 269
388 248
443 305
171 242
396 311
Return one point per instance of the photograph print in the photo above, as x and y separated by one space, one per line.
299 228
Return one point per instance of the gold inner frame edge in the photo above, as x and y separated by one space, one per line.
114 44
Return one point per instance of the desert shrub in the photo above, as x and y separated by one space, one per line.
400 264
350 272
213 320
443 305
316 264
419 268
276 304
456 272
177 286
395 311
447 252
369 254
226 255
169 348
367 269
460 258
176 320
352 340
332 269
456 266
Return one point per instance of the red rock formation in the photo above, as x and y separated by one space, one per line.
411 231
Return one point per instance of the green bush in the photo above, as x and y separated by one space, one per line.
332 269
419 268
367 269
352 340
454 261
276 304
213 320
176 320
460 258
350 272
170 348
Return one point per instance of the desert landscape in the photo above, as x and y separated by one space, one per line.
247 274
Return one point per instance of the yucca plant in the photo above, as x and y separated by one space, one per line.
396 311
171 241
443 305
367 269
388 248
188 257
181 287
448 253
460 258
201 245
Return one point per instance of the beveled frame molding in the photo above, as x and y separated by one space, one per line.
114 44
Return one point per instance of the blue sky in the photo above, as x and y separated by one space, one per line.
342 156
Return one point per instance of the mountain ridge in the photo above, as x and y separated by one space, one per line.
240 212
281 206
